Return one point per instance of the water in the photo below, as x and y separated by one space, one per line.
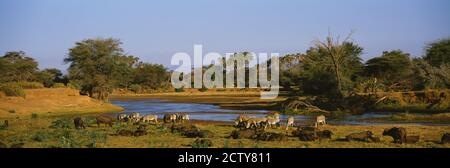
216 113
148 106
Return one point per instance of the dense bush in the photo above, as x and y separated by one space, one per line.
136 88
63 123
34 115
41 137
12 89
203 89
58 85
74 85
201 143
179 89
29 85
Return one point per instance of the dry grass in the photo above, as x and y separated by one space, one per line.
51 101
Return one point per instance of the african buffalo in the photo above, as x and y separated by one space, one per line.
79 123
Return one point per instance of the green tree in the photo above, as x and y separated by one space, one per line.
438 53
151 76
427 76
331 67
48 77
289 70
94 64
393 68
125 71
17 67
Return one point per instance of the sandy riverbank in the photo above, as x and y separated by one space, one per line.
55 101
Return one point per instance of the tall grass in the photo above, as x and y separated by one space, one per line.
28 85
11 89
59 85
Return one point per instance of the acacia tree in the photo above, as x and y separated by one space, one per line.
393 68
94 63
331 65
17 66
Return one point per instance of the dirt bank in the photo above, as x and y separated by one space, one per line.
52 101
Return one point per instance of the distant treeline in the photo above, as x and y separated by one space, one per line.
333 67
330 67
97 66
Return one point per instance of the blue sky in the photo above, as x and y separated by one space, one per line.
155 30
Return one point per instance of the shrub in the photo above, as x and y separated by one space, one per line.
62 123
34 115
41 137
29 85
90 120
12 89
203 89
58 85
68 140
201 143
226 144
74 85
136 88
179 89
95 138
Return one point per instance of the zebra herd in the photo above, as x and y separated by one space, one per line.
270 120
136 117
241 121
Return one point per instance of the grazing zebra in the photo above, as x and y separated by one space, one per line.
173 118
273 119
122 117
290 122
149 118
256 122
184 117
320 120
241 119
134 117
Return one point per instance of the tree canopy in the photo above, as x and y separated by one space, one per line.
16 66
393 68
100 65
330 67
438 53
94 63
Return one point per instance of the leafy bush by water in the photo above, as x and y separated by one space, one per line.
135 88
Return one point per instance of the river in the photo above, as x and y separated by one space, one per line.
216 113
